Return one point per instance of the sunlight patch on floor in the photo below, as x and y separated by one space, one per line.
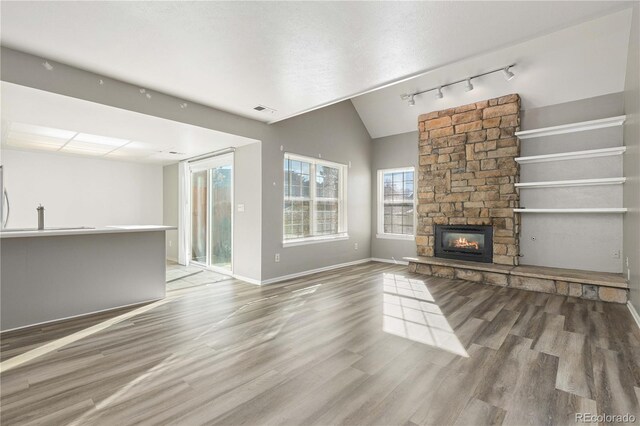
410 311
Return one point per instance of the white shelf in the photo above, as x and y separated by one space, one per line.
621 210
566 183
575 155
572 128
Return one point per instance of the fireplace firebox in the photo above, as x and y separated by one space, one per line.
464 242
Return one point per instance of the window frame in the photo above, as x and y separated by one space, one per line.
380 207
342 233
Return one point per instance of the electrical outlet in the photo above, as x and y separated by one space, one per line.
355 246
277 257
616 254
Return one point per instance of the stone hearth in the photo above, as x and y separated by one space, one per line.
467 173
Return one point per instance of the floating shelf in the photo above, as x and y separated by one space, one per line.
566 183
572 128
621 210
576 155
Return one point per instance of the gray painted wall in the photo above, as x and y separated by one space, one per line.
336 132
631 248
578 241
247 225
387 153
170 208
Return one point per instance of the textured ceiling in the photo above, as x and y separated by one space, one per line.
579 62
291 56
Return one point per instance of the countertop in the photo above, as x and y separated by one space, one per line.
53 232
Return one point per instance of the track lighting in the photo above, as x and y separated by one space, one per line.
148 95
142 91
506 71
468 87
47 65
508 75
101 82
183 105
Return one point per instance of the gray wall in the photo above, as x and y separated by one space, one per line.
247 225
578 241
336 132
170 208
631 248
387 153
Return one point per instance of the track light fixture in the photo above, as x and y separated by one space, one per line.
468 87
183 105
47 65
506 71
508 75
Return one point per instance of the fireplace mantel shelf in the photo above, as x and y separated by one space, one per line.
594 210
568 183
575 155
572 128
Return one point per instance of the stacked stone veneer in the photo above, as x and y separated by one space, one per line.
508 277
467 173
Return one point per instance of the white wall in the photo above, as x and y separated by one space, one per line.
80 191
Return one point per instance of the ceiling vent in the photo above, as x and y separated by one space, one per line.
264 108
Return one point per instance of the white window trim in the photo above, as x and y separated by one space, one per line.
342 202
380 208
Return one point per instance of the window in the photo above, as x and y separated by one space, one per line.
314 200
396 203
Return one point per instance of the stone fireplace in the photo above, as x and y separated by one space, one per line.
467 176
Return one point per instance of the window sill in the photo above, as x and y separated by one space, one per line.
396 237
315 240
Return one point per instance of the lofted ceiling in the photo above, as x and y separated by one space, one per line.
582 61
35 120
289 56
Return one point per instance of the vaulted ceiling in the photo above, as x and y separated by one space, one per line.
298 56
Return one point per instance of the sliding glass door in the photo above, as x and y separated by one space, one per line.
211 206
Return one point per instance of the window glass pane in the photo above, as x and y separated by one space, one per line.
397 208
300 209
327 182
326 217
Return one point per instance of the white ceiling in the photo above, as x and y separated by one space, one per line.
36 120
578 62
291 56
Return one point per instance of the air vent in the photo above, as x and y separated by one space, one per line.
176 153
264 108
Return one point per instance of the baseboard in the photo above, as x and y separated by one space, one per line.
172 259
394 261
246 279
313 271
634 313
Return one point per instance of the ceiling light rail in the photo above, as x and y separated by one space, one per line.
506 71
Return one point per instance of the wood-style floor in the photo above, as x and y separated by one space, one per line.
370 344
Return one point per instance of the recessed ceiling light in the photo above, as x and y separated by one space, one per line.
47 65
99 140
264 108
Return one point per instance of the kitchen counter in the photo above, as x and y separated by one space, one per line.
53 274
52 232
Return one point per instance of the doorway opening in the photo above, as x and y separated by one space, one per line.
211 213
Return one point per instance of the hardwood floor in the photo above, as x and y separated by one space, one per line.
370 344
